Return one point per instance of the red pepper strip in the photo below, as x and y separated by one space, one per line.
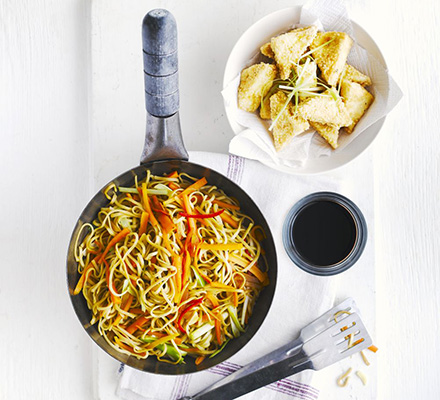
192 304
183 214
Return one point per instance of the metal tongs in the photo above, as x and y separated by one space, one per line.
337 334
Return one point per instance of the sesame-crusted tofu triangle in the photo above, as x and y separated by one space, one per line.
352 74
267 51
288 124
325 110
265 108
255 82
289 47
330 50
357 100
328 132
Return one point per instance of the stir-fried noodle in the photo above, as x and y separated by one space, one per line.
170 267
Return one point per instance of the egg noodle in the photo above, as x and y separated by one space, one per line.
170 268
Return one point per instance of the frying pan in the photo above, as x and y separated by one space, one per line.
163 153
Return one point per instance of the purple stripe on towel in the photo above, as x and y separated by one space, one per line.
185 385
177 388
235 168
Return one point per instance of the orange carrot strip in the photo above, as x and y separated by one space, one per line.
87 269
221 246
373 348
173 174
218 333
144 223
121 235
173 186
166 223
125 307
136 310
235 297
141 321
188 209
199 359
257 272
177 262
147 206
357 342
186 268
226 205
128 348
191 350
226 218
195 186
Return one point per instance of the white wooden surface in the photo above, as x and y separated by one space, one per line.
49 170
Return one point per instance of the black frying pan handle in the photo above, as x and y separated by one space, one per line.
163 139
159 42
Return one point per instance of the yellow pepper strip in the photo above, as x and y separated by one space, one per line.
161 341
221 246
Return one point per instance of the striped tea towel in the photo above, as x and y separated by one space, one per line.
299 297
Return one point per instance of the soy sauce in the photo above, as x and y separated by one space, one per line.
324 233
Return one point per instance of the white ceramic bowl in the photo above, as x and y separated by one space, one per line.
249 44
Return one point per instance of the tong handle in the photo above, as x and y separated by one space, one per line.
281 363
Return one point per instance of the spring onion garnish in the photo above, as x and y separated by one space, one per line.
220 349
299 86
158 190
234 320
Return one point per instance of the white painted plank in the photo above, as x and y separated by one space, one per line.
44 185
